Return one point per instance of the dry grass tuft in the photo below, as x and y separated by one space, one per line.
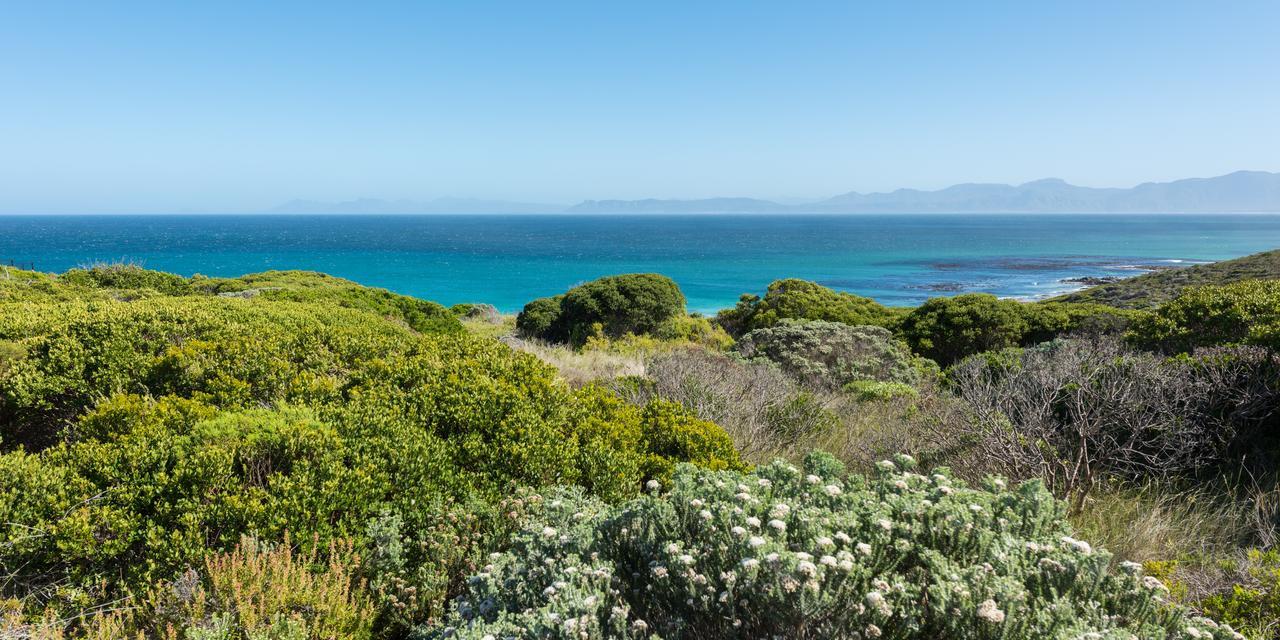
581 367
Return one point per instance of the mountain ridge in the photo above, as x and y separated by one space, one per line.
1238 192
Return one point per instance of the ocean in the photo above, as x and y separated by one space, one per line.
507 260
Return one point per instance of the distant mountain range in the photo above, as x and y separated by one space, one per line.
1242 191
1236 192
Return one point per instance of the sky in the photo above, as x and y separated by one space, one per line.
237 107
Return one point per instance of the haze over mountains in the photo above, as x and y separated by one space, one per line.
1242 191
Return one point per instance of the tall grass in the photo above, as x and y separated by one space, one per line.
1156 523
580 367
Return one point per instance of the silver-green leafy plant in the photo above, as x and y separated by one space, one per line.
789 553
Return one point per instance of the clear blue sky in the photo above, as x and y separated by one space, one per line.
167 106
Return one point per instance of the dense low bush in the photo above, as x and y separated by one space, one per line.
61 358
950 329
943 329
1241 313
794 299
149 487
613 307
1049 320
812 553
319 288
832 355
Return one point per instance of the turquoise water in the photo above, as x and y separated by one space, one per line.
508 260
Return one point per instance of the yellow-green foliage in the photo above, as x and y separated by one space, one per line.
1252 607
1242 591
679 332
143 435
66 356
1153 289
131 282
258 591
1240 313
309 286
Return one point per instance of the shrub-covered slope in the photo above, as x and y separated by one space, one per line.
1152 289
146 424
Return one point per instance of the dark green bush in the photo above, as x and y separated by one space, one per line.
948 329
1049 320
613 306
794 299
539 317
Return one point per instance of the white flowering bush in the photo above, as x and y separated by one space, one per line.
813 553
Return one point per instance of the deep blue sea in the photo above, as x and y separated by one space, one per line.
508 260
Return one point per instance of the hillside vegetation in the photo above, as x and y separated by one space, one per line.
292 456
1152 289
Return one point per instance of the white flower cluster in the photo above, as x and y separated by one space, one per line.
784 552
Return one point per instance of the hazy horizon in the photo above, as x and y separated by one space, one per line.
234 108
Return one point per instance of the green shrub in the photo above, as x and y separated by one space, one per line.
145 435
794 299
18 285
948 329
1049 320
307 286
232 353
693 329
1242 313
1251 605
831 354
671 435
636 303
537 318
815 553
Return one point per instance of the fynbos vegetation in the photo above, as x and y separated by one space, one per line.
289 456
